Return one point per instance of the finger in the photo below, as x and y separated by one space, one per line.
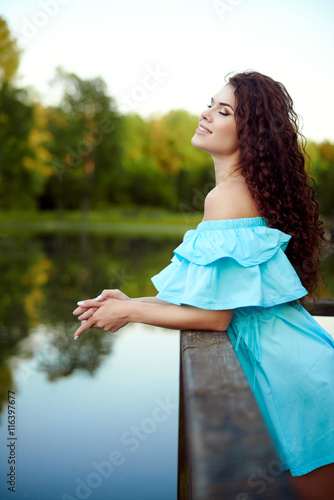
114 293
106 294
103 295
80 310
85 325
86 304
87 314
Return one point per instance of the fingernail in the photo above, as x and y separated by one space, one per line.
81 303
76 337
98 297
83 321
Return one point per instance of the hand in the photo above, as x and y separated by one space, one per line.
113 294
87 312
106 294
109 315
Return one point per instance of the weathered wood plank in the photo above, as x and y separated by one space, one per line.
231 453
225 451
320 307
184 466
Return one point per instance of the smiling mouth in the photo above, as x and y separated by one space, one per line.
204 129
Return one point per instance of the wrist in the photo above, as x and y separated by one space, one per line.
132 308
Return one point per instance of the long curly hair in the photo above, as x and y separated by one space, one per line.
273 161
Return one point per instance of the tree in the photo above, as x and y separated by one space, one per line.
38 163
162 166
17 189
169 142
146 183
22 156
85 149
9 53
322 156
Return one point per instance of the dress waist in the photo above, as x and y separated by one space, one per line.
246 327
249 335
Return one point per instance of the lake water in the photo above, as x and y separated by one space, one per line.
96 418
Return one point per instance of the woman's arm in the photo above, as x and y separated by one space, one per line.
151 300
86 312
181 317
113 314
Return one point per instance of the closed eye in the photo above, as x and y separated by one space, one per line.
220 112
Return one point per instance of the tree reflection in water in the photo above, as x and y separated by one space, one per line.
42 278
60 356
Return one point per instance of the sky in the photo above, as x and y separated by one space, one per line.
156 56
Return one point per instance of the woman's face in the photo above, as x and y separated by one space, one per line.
217 131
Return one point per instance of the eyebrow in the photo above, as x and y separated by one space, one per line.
222 103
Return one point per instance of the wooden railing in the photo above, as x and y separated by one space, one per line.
225 451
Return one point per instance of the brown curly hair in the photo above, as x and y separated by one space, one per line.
273 162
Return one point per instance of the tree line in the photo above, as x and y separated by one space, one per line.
84 154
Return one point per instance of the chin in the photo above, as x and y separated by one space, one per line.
195 142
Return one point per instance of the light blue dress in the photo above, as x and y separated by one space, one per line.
288 358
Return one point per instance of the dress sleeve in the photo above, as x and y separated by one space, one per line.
226 266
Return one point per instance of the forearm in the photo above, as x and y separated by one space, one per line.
184 317
151 300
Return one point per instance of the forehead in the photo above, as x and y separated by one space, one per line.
226 94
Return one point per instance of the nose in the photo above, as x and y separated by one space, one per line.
206 115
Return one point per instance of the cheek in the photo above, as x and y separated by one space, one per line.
235 136
228 133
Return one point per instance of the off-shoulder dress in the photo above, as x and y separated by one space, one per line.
288 358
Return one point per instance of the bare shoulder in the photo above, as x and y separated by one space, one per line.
230 200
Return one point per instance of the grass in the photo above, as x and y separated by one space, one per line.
125 220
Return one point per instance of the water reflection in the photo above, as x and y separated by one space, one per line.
75 400
102 435
43 277
78 402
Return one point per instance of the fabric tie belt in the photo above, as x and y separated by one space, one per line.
249 334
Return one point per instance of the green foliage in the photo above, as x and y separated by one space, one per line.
84 147
17 186
43 277
82 154
170 145
322 156
22 134
161 165
9 54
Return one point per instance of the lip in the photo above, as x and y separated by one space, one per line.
199 131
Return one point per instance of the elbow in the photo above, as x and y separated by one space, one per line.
220 320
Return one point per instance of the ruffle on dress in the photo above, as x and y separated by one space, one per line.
227 264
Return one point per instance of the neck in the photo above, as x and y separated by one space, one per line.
226 169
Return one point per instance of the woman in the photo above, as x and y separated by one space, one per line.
254 255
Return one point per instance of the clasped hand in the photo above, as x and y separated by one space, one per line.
108 311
